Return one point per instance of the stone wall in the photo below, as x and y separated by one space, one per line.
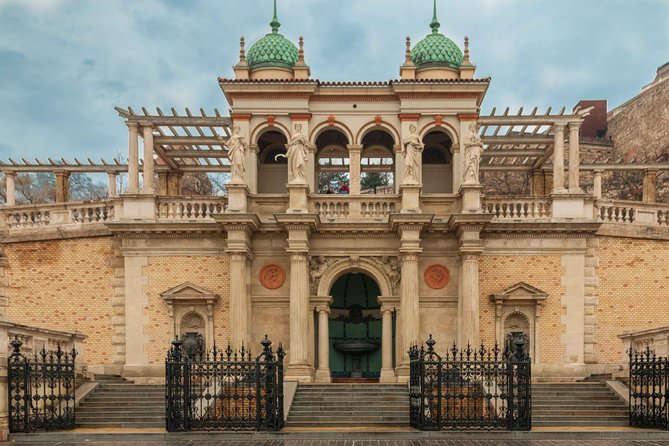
64 285
497 273
163 273
633 291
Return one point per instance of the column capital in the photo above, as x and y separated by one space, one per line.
323 309
354 147
387 309
146 124
574 125
132 125
9 173
559 126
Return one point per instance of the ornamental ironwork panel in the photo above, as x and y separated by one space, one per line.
471 388
224 390
648 387
41 389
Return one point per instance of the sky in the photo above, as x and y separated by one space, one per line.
65 64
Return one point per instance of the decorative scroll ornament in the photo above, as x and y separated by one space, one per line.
317 267
473 149
412 148
272 276
437 276
389 265
237 155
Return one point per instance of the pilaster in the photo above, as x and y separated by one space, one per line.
10 189
133 158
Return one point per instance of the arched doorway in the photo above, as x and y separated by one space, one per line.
272 171
355 329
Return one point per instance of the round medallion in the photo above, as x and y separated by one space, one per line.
272 276
437 276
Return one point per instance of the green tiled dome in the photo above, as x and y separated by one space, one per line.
436 49
273 49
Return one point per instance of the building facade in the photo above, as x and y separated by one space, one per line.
302 249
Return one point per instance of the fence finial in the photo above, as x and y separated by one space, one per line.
16 344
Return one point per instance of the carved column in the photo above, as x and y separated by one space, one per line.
111 185
558 158
649 188
323 372
410 305
133 158
468 318
387 372
574 157
62 186
148 186
239 300
298 366
597 184
10 189
354 152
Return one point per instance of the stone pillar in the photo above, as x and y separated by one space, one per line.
468 305
298 365
133 158
111 185
148 186
649 189
410 305
62 186
174 183
10 189
597 184
239 301
354 152
574 158
538 183
558 158
548 182
162 183
323 372
387 372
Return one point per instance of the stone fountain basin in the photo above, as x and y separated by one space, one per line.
356 346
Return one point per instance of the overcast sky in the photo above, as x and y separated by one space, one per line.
64 64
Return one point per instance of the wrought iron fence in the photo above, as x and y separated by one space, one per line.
224 390
648 390
41 389
471 389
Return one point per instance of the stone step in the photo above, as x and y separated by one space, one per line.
355 423
591 417
103 412
580 424
349 420
122 425
353 412
368 407
576 401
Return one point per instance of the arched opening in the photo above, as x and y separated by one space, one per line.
437 165
332 162
272 171
193 333
377 163
355 329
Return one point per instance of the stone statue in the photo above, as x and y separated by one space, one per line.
473 150
237 155
412 148
298 149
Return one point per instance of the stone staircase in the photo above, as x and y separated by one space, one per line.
349 405
580 404
117 403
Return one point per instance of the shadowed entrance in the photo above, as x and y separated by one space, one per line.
355 328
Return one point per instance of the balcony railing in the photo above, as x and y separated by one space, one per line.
632 212
368 207
58 214
518 208
189 208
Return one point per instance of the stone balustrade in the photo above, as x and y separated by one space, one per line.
369 207
518 208
57 214
189 208
657 339
632 212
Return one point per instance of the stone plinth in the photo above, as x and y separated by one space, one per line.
139 207
471 197
410 198
570 205
237 197
298 202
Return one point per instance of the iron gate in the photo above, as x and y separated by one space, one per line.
471 389
224 390
41 389
648 387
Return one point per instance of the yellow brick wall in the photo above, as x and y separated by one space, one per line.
544 272
163 273
64 285
633 291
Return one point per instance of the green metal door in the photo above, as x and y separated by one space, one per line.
355 327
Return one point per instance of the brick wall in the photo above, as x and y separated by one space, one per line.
64 285
633 291
163 273
544 272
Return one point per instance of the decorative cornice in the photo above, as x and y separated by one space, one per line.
354 97
125 229
409 116
468 116
241 116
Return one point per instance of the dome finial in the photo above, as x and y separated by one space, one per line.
275 24
434 24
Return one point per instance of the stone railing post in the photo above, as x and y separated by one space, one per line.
111 185
10 189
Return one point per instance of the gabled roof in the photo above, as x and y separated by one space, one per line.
521 291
